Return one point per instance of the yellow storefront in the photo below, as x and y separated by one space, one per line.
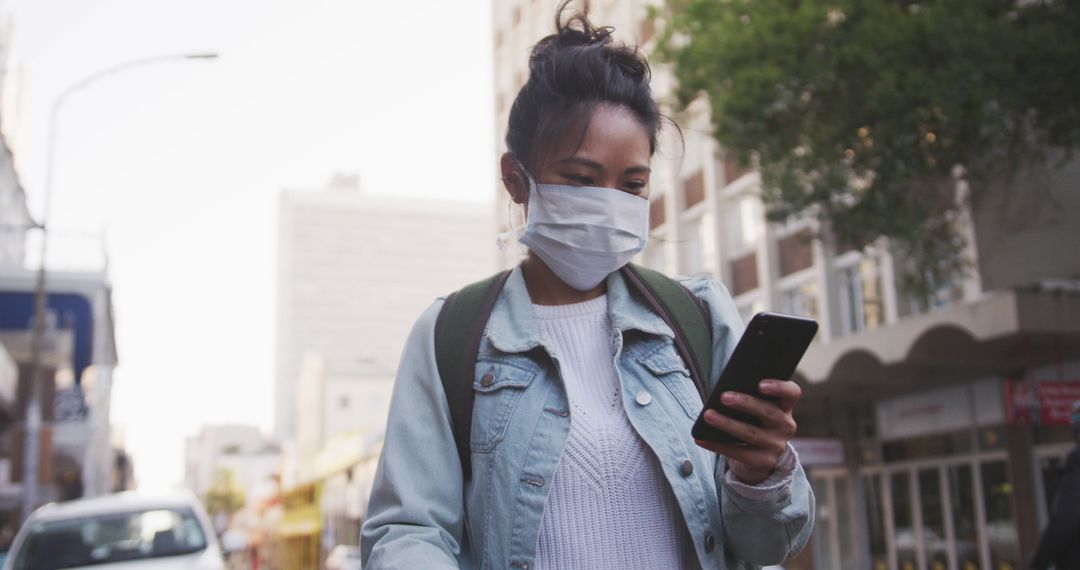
299 533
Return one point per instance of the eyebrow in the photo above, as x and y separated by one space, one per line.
597 166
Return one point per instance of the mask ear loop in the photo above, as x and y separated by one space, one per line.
504 239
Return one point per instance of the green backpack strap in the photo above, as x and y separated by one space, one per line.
684 313
459 329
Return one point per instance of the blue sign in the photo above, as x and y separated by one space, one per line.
73 311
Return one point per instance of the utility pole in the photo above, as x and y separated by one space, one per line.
34 413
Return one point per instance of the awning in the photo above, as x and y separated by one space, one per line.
1001 333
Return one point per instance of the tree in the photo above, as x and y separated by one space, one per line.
865 114
224 496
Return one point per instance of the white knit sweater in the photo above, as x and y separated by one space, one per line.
609 504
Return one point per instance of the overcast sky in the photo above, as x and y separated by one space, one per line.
183 162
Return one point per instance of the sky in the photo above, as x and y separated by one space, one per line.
180 164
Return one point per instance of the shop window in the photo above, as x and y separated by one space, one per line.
875 517
922 447
1000 522
903 519
861 303
965 517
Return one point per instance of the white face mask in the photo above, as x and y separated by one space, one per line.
584 233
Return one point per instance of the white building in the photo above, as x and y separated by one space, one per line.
913 417
78 363
246 452
354 273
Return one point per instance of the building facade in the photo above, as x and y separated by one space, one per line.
354 273
932 431
77 456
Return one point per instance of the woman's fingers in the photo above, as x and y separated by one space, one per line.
785 392
766 438
772 416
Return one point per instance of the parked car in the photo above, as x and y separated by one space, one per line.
118 532
343 557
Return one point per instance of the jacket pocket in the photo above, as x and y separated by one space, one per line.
499 383
666 366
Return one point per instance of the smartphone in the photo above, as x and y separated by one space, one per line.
771 347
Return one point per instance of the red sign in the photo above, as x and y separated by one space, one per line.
1046 403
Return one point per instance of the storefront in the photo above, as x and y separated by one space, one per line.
298 538
945 440
947 483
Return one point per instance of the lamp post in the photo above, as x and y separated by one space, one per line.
34 415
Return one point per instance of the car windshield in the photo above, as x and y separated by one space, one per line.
113 537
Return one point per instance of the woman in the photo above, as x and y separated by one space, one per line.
580 453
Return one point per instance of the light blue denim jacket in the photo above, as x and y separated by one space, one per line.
419 514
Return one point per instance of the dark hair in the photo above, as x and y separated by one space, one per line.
571 72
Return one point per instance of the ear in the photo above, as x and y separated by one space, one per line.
514 179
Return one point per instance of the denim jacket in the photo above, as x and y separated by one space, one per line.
422 514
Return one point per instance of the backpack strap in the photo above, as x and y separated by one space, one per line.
684 313
459 329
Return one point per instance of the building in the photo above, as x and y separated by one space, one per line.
932 433
250 456
77 457
354 273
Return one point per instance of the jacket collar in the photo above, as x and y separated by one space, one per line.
513 326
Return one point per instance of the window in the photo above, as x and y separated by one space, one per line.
743 224
802 299
111 538
691 246
699 245
941 293
861 306
748 309
796 252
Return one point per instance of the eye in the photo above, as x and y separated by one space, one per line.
579 179
635 186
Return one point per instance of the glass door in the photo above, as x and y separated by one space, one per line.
834 540
953 514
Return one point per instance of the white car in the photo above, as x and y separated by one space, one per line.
118 532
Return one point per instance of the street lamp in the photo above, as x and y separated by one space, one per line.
33 410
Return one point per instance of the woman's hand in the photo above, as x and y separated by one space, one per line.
753 463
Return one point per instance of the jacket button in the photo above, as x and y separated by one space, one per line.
687 468
487 380
710 543
643 398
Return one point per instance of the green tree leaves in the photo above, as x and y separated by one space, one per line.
866 113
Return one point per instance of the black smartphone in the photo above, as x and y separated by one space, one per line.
771 347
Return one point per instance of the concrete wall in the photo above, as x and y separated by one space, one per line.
1029 230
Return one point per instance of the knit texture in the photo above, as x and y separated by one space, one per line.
609 505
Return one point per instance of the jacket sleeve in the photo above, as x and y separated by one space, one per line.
415 514
765 528
1064 528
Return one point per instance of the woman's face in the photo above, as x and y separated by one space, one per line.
613 153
